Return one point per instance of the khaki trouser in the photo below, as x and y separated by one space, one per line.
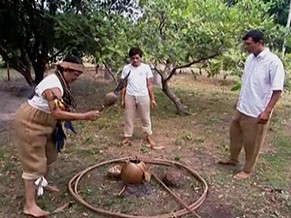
247 133
34 140
141 105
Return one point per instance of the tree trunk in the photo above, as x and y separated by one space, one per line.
39 68
28 78
8 71
179 106
97 69
38 75
157 79
107 75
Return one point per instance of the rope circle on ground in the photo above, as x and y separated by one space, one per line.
74 182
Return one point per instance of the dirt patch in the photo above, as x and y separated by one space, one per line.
12 95
147 198
214 209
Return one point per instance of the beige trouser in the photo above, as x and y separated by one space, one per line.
141 105
34 140
246 132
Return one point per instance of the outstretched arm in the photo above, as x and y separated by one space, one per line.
63 115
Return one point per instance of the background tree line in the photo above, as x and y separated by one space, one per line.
175 34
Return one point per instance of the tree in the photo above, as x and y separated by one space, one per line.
105 33
279 10
35 32
178 34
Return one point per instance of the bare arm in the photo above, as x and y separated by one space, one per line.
56 112
273 101
123 92
277 78
150 89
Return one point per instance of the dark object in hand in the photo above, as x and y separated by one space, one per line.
121 84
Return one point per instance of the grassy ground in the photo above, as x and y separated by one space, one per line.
198 141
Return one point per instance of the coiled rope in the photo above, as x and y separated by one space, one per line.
74 182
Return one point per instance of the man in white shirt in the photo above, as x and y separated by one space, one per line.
262 85
137 96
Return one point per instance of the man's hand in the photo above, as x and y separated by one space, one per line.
263 117
92 115
153 103
122 103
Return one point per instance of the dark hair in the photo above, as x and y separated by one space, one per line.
135 51
71 59
256 35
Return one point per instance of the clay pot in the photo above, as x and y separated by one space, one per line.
132 172
109 99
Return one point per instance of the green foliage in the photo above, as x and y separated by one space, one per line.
287 66
279 10
34 33
230 63
177 32
180 31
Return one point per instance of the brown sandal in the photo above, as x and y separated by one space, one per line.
228 163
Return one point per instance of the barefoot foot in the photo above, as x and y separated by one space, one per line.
229 162
52 188
150 141
126 141
152 145
35 211
242 175
155 147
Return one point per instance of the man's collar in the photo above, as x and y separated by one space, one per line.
262 53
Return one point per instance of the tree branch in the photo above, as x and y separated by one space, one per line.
162 24
57 53
109 71
173 71
159 72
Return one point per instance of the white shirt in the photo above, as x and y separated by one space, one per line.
262 75
38 101
137 80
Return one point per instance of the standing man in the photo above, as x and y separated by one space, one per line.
262 85
137 96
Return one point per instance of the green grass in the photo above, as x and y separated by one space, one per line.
198 140
276 172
